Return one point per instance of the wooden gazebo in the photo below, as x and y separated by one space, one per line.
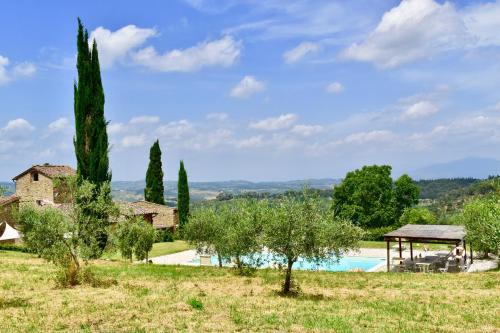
423 233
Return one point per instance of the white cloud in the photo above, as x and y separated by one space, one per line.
59 125
413 30
368 137
219 116
8 74
4 78
145 120
307 130
176 129
252 142
115 128
420 110
114 46
272 124
300 51
24 69
334 88
18 125
247 87
134 141
482 21
222 52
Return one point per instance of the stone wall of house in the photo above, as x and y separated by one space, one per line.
29 190
165 219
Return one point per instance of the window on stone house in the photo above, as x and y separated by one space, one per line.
34 176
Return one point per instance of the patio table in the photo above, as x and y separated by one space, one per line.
423 266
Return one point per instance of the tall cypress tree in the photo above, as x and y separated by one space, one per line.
91 139
182 196
154 176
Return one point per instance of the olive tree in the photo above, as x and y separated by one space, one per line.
57 235
242 232
135 236
303 228
205 230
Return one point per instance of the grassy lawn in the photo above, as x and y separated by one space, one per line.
173 298
416 246
159 249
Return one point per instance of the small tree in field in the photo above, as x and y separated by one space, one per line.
206 230
242 232
295 228
417 215
59 238
135 236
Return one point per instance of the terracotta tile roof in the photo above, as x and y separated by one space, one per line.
152 205
50 170
7 200
132 209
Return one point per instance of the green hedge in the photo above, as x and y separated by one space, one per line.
14 247
377 234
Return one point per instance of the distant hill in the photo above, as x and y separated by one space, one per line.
134 190
464 168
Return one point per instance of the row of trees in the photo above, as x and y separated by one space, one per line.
154 190
288 229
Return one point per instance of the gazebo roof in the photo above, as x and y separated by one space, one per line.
428 232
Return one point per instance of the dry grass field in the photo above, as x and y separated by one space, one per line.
197 299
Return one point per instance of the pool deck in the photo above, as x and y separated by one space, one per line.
189 257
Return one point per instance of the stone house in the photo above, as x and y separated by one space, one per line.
165 217
45 185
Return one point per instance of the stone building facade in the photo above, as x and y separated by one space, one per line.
165 218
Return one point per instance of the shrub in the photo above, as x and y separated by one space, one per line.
377 234
195 303
417 215
16 247
164 236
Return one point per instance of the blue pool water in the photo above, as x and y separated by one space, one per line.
343 265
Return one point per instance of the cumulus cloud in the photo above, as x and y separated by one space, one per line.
9 73
115 45
18 125
307 130
247 87
300 51
223 52
334 88
413 30
420 110
144 120
59 125
273 124
482 21
134 141
371 136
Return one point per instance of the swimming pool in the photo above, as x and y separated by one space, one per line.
343 265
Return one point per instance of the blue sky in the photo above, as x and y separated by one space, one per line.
257 90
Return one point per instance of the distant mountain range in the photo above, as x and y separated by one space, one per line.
464 168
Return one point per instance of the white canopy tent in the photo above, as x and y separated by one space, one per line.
7 232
